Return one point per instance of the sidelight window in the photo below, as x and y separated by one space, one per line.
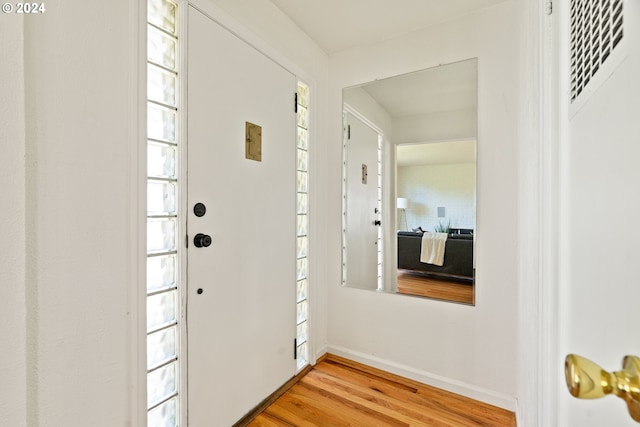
302 226
163 257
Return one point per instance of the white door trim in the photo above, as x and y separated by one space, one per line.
539 209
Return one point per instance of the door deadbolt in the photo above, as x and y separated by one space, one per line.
202 240
199 209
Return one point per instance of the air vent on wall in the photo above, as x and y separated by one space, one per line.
596 30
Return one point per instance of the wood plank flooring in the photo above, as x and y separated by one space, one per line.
339 392
411 283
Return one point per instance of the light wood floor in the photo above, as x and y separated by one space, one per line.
339 392
418 284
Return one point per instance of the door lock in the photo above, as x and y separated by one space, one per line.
199 209
202 240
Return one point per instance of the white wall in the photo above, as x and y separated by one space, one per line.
81 137
13 313
452 186
472 350
70 248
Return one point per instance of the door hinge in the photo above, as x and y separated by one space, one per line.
348 131
295 102
186 241
549 7
295 348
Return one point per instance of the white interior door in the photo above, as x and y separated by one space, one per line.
599 232
362 203
241 289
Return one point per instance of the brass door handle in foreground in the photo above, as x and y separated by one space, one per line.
587 380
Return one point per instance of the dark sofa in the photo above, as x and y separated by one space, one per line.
458 255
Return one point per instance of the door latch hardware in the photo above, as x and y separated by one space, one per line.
587 380
202 240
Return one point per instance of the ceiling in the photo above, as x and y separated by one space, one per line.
418 95
337 25
447 87
436 153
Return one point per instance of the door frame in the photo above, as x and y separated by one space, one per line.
539 277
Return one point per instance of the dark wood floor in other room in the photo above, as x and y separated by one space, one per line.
339 392
419 284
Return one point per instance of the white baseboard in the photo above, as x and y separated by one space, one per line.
468 390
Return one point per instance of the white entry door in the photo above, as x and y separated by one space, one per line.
241 288
362 205
600 192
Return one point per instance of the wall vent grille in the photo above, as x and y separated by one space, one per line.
596 30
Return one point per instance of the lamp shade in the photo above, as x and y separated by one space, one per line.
402 203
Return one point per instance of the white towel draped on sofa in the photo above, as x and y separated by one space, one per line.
432 251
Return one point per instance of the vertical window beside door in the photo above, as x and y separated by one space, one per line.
163 257
302 226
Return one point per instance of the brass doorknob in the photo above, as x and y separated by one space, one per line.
587 380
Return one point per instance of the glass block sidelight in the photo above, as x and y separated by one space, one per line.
161 123
303 354
302 332
302 226
301 267
379 207
161 310
161 85
302 138
302 160
301 247
163 14
303 95
301 290
303 310
163 345
163 202
302 117
161 48
161 235
302 202
161 272
161 160
161 197
164 415
162 384
302 182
